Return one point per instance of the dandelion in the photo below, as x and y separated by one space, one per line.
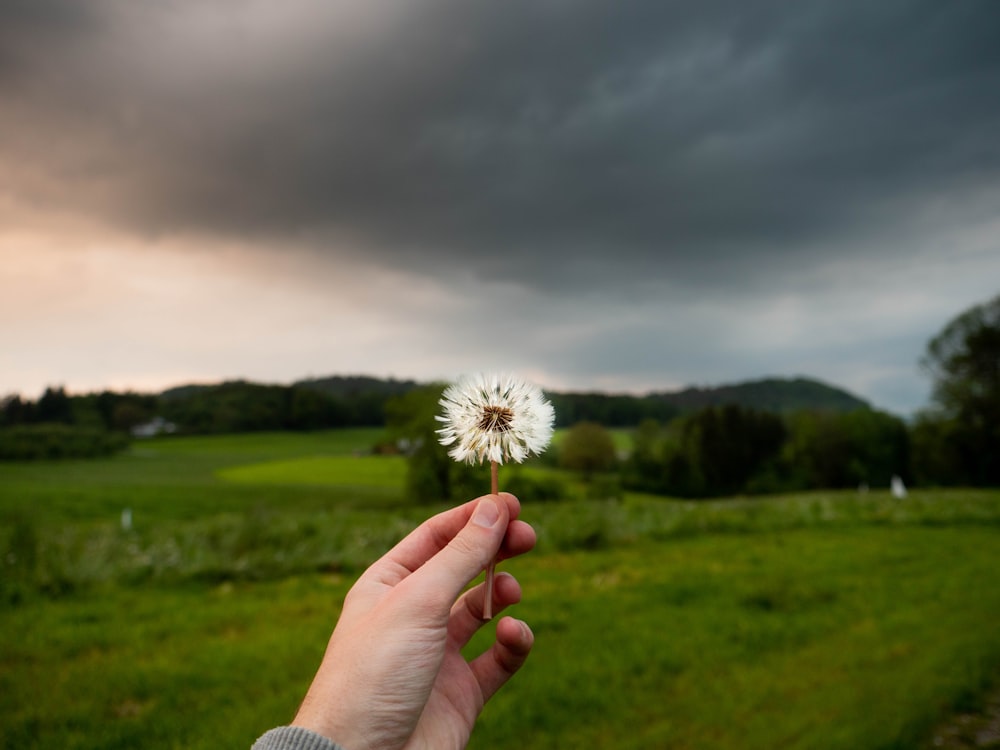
494 418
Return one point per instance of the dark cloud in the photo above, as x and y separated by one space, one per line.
627 192
706 139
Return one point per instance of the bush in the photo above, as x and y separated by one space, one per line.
604 487
54 441
529 489
587 448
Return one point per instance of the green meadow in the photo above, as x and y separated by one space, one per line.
819 620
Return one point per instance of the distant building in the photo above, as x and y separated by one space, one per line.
152 428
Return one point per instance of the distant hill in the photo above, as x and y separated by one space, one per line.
356 385
179 392
339 386
360 400
778 395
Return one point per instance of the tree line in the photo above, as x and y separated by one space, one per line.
715 451
716 448
733 450
728 449
242 406
58 425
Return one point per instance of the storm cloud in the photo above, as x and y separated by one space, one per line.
735 158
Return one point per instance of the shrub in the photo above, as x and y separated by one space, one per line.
530 489
588 448
55 441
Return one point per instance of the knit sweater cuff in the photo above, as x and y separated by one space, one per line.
294 738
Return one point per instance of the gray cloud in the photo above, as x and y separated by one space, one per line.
622 152
671 134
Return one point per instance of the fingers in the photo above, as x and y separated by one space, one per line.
494 667
514 638
428 539
450 550
520 538
467 613
434 534
440 580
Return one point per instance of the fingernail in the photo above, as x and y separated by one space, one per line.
487 513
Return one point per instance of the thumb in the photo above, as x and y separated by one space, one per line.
441 579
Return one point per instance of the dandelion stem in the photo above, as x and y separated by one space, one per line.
491 568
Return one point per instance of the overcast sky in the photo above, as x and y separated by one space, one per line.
597 194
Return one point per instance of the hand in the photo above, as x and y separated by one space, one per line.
393 675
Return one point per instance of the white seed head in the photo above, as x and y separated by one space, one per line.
494 418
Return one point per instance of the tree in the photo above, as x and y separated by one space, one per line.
964 362
410 419
817 452
14 411
587 448
54 406
644 468
719 449
936 459
310 409
432 476
826 449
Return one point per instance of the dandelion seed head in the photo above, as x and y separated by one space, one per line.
494 418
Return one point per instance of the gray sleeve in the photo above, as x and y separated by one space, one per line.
293 738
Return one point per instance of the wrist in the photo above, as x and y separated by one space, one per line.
294 738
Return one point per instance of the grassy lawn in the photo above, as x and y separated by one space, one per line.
823 620
178 478
812 638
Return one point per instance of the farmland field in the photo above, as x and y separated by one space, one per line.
821 620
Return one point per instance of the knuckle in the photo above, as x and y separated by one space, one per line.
466 547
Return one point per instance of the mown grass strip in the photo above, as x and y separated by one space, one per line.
344 471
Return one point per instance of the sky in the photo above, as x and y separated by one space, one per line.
626 196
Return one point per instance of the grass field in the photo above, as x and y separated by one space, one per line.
823 620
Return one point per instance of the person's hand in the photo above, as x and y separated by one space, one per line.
393 675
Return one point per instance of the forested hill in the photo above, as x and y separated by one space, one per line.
774 395
360 399
318 403
779 395
350 386
338 386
